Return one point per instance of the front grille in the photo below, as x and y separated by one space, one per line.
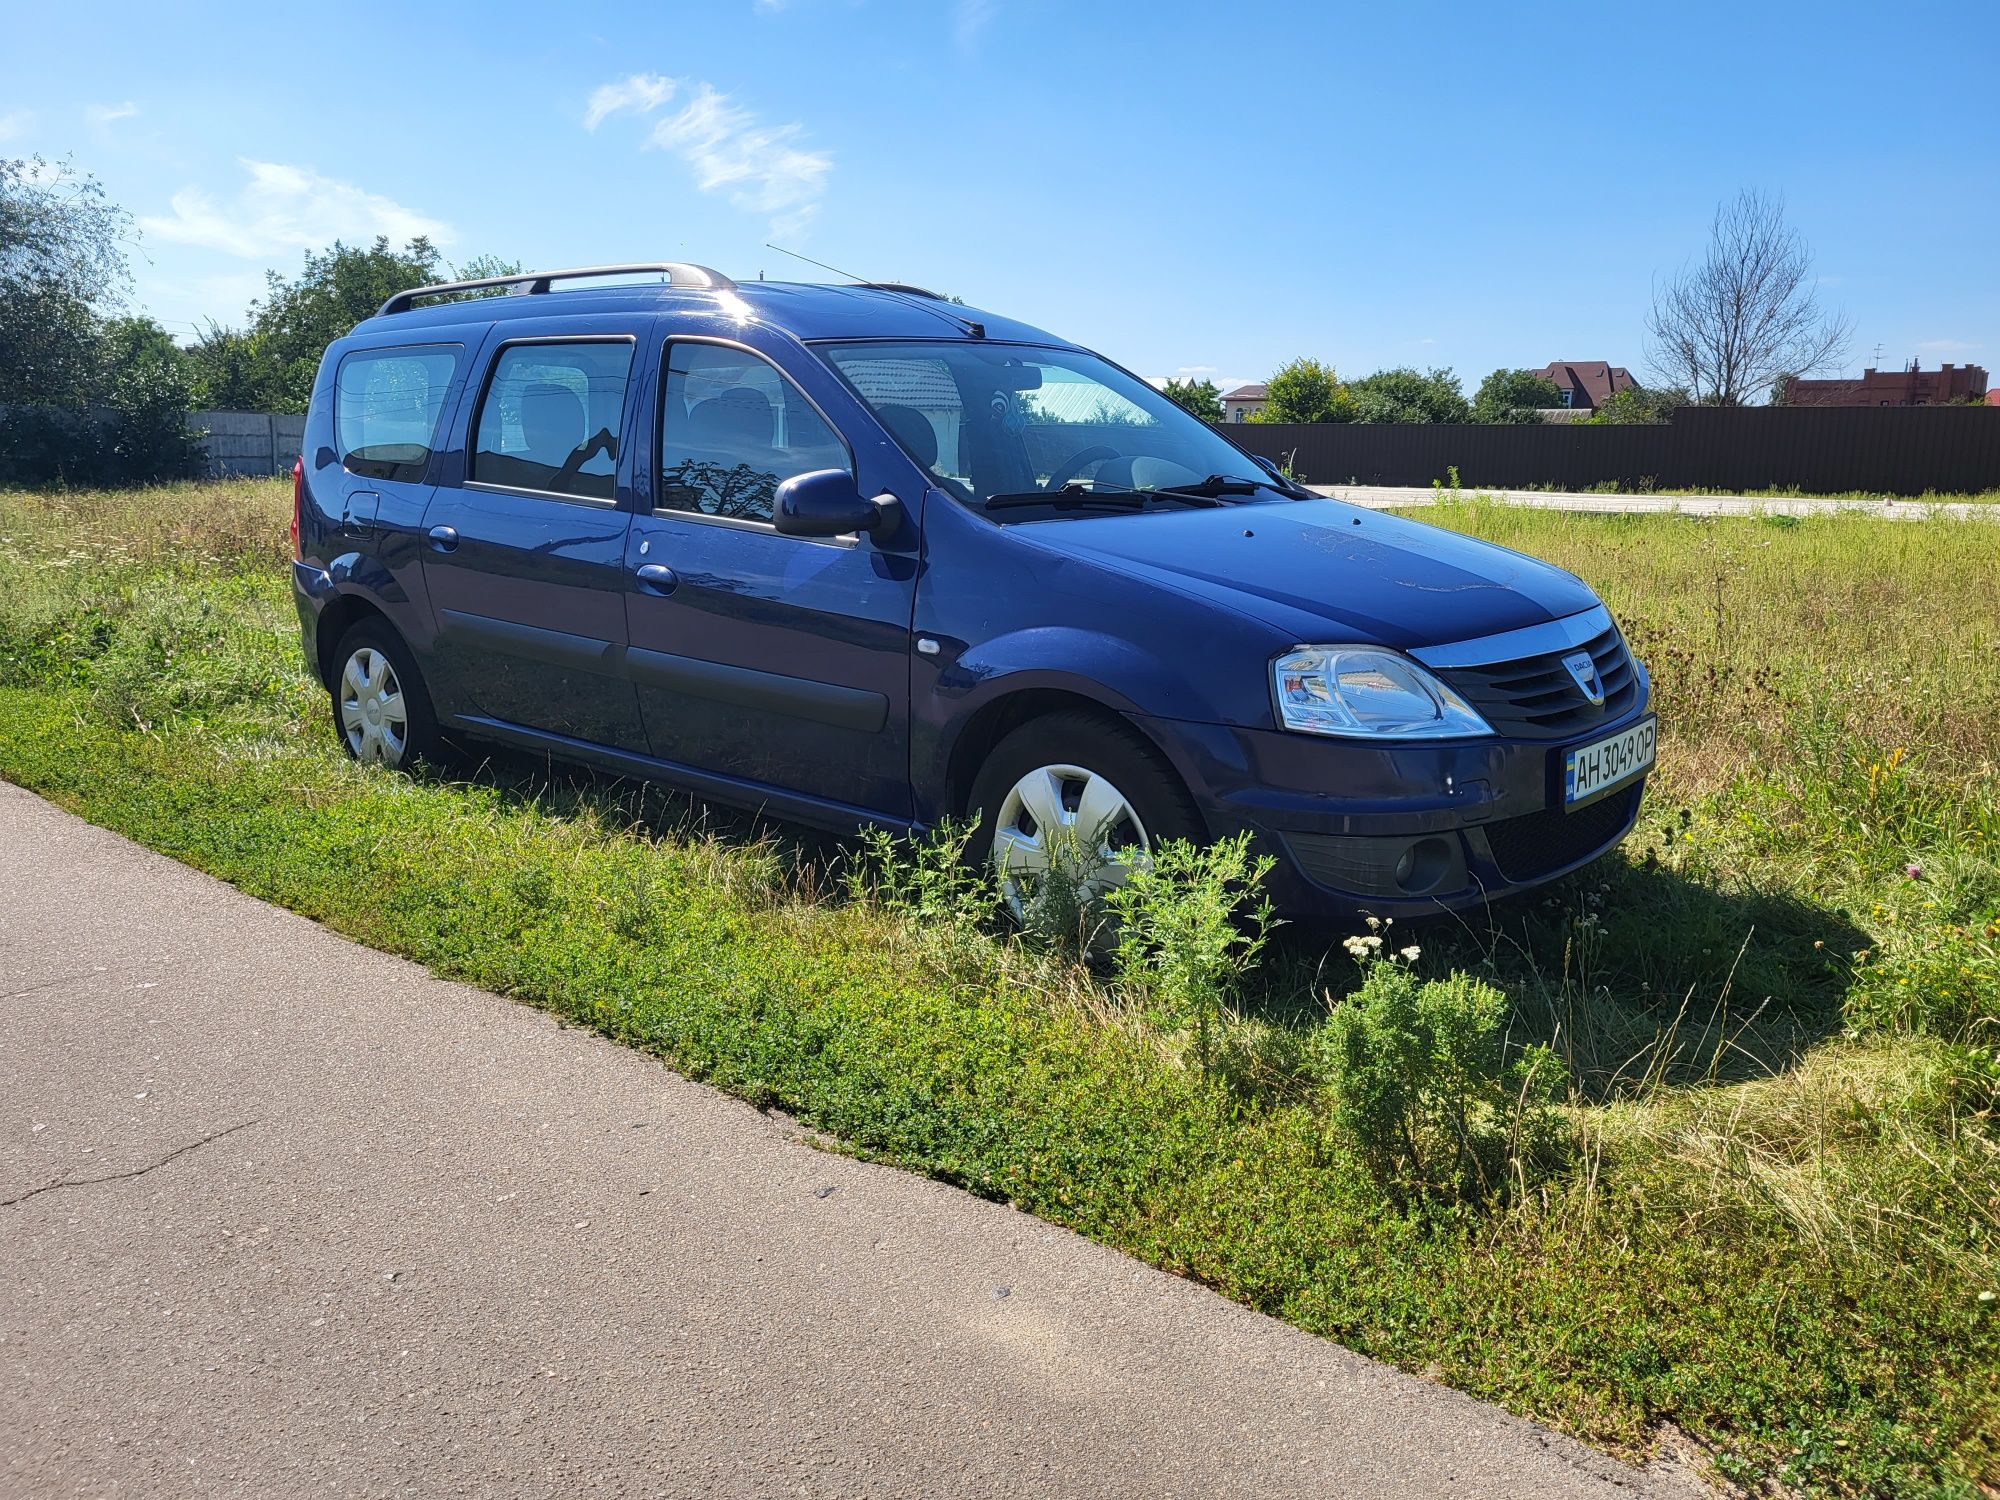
1527 848
1536 698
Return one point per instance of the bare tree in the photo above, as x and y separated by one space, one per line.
1747 316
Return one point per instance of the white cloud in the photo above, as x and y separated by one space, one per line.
968 19
760 168
102 115
286 208
640 94
1946 346
16 123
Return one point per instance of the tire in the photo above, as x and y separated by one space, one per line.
1072 762
382 710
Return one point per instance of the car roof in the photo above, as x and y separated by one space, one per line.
806 310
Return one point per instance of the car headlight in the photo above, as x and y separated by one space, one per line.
1367 692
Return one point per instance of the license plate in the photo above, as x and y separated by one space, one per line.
1589 771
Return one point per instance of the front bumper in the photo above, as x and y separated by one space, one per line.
1398 830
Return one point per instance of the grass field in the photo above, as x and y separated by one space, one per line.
1755 1214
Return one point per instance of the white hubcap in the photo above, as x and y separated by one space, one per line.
372 715
1068 819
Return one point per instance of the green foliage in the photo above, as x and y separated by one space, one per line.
1305 391
1514 396
295 320
91 398
225 372
928 879
1202 397
1638 404
1424 1089
1405 395
144 379
1191 922
1777 1237
62 265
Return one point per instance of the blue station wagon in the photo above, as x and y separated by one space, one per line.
859 555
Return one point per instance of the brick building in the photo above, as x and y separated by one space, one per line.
1948 385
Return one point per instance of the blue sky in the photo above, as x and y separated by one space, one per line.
1191 188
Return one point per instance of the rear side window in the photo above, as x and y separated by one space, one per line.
733 430
551 416
385 409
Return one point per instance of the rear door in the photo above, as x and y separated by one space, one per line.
372 484
779 662
525 553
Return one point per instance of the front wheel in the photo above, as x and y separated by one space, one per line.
381 709
1075 802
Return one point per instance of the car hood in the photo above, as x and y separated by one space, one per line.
1328 570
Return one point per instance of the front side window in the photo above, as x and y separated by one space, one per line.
385 409
732 430
551 418
1017 421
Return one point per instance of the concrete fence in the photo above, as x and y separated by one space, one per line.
241 443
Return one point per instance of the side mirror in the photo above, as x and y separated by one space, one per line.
827 502
1272 464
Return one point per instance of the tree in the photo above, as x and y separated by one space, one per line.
62 264
225 372
1514 396
1403 395
1202 397
1747 314
296 320
1305 391
1638 405
143 376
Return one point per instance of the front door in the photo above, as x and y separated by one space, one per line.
525 559
780 663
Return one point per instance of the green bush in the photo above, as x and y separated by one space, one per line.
1423 1088
929 878
1190 924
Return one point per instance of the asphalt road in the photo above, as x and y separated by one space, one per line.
283 1216
1386 497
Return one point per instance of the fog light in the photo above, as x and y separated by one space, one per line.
1423 865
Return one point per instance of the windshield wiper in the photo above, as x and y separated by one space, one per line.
1071 496
1218 484
1067 498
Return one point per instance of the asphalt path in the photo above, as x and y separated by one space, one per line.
1385 497
280 1215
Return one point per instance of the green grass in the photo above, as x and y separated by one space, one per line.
1773 1221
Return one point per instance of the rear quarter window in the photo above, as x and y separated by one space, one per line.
386 407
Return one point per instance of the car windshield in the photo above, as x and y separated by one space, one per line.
1027 432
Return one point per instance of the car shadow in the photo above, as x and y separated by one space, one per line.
1634 972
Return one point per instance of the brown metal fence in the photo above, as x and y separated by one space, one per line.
1887 450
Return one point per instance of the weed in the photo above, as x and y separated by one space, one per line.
1191 921
1424 1088
1765 1212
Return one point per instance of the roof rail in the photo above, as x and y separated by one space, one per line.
701 278
903 286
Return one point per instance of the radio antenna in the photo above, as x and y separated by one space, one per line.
811 262
977 330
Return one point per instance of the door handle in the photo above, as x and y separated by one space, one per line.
444 538
658 577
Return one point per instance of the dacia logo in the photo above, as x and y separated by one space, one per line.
1583 667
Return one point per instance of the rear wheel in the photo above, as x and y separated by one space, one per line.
381 709
1077 797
